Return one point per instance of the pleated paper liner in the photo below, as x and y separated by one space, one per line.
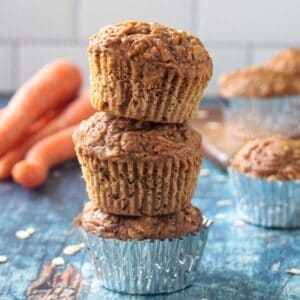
121 89
137 187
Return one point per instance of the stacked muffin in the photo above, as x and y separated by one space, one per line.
139 158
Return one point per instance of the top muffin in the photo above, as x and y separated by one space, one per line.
287 61
258 82
275 157
147 71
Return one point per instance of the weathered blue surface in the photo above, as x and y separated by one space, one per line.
237 262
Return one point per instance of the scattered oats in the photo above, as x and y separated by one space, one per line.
73 249
212 125
25 234
203 114
204 172
221 178
58 261
56 174
30 230
276 266
239 223
224 202
221 216
3 259
293 271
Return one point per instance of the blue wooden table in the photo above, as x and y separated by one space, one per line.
240 261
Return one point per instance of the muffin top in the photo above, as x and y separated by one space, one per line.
287 61
154 43
275 157
184 222
105 136
259 82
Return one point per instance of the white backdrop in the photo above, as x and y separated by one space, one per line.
236 33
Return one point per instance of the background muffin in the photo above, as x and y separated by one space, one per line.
147 71
265 177
136 168
262 101
258 82
287 61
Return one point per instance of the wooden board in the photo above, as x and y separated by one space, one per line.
220 142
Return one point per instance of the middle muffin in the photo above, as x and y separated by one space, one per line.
138 168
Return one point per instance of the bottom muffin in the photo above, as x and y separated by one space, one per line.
144 255
265 178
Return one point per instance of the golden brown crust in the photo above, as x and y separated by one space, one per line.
155 43
146 71
182 223
275 157
287 61
258 82
105 136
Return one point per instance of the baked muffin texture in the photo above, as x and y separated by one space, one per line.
138 168
274 158
147 71
258 82
184 222
287 61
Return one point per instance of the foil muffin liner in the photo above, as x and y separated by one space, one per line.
148 266
266 203
265 116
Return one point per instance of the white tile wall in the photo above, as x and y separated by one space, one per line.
21 19
32 57
97 13
261 55
237 33
6 68
224 60
250 21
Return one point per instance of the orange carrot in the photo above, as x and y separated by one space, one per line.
42 122
54 149
75 112
55 84
11 157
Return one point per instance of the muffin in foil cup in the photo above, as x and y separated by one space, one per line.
147 266
268 203
262 117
